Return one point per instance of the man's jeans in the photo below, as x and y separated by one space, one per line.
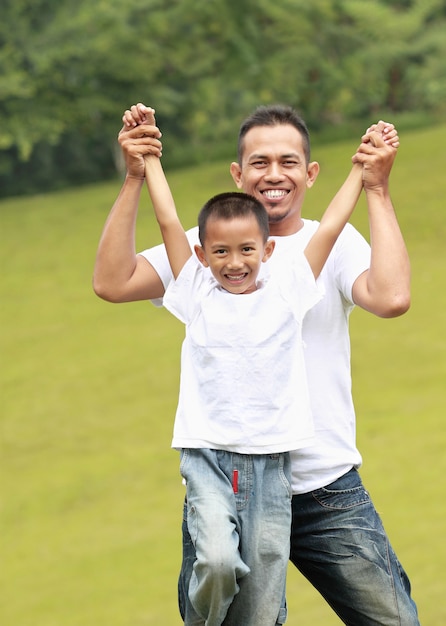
338 542
238 527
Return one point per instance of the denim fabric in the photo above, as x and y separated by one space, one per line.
237 553
339 544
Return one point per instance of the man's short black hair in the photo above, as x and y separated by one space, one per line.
274 115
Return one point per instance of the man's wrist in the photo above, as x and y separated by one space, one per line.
377 190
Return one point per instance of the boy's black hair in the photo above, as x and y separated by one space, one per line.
229 205
274 115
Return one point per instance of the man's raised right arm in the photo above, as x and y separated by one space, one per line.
120 274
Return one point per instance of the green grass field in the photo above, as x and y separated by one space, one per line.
91 497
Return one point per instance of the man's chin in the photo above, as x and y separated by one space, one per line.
276 214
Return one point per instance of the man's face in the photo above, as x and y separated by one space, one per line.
274 170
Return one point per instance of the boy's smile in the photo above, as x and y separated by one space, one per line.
234 250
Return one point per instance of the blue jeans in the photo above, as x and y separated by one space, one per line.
240 549
339 544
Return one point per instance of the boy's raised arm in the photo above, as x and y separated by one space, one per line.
341 207
333 220
174 237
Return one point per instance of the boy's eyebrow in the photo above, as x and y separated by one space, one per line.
217 246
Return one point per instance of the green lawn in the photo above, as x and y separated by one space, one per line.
91 497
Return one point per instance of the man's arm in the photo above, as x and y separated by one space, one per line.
120 275
384 289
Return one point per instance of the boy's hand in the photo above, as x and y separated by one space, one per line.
388 133
376 157
138 114
376 154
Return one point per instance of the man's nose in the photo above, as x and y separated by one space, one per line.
274 172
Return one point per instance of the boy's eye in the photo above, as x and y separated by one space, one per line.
247 249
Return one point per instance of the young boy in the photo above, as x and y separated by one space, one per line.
236 418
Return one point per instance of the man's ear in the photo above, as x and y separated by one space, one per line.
269 249
312 173
236 173
201 256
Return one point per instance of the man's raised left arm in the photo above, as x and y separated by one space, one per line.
384 289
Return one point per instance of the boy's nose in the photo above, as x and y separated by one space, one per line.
234 261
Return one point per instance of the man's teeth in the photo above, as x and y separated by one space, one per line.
274 194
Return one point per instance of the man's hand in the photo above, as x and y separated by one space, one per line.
138 137
376 154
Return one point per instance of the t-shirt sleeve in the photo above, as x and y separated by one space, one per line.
157 257
183 295
304 289
351 258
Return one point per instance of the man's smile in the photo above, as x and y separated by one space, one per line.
274 194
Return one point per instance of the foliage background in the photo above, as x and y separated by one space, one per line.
68 69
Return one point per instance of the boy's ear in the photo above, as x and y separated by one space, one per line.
269 249
201 256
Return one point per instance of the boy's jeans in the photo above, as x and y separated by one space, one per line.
239 520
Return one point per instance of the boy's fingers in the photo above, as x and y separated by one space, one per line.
138 114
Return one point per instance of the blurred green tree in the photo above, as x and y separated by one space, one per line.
69 69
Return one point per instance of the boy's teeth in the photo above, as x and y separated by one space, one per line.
237 277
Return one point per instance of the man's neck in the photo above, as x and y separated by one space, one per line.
284 229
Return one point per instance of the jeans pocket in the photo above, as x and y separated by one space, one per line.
345 493
184 457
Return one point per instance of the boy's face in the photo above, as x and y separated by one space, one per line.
274 170
234 250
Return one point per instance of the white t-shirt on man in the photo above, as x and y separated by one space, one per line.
327 352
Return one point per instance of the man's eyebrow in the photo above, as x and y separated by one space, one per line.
293 155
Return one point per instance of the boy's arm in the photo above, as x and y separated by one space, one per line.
175 239
341 207
333 220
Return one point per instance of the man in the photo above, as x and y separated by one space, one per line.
337 539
